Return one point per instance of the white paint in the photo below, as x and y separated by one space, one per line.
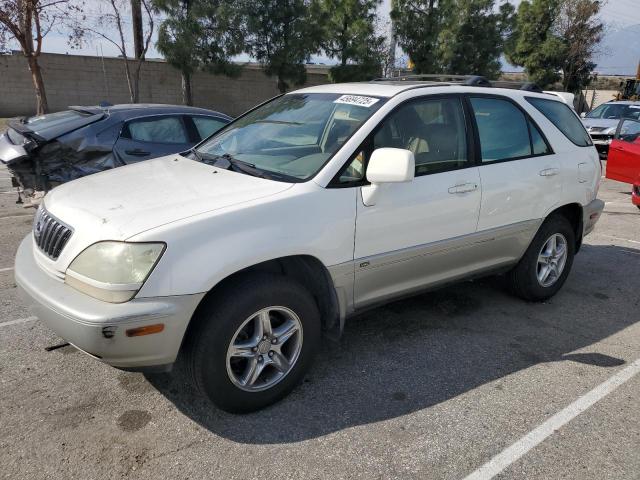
622 239
19 320
510 455
17 216
8 269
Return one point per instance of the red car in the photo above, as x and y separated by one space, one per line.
623 163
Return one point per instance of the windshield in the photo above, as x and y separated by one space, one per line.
293 135
615 111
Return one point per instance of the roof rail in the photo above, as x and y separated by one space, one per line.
470 80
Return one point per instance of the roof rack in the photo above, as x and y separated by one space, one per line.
469 80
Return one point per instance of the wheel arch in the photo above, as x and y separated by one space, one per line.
573 213
307 270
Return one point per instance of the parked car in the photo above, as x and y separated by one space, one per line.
47 150
601 122
623 164
304 211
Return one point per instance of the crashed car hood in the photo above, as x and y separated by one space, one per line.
600 123
125 201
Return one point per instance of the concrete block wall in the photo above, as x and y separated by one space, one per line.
84 80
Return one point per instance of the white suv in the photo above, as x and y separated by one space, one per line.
305 210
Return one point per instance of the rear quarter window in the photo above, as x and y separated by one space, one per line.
564 119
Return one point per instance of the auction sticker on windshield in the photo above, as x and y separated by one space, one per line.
357 100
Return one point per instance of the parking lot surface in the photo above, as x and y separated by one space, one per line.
435 386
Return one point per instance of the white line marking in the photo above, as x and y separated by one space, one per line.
508 456
17 216
19 320
622 239
8 269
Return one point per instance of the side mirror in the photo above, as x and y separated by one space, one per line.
387 165
583 114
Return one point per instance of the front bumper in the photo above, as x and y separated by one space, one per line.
602 143
99 328
590 215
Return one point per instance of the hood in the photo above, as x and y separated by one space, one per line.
119 203
598 124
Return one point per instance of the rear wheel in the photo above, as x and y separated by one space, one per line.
253 342
547 262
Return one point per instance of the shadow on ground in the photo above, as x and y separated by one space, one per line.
415 353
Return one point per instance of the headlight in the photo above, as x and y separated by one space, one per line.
113 271
610 131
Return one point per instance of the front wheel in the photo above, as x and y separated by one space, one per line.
253 342
547 262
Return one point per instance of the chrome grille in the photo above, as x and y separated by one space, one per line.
50 234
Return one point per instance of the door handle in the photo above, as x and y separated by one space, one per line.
137 153
549 172
617 148
463 188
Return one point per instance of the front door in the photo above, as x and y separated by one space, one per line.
416 231
623 162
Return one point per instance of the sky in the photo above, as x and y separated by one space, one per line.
616 14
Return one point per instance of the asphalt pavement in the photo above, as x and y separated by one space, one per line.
467 380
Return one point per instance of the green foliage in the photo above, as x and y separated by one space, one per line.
472 37
453 36
534 46
581 32
349 35
282 35
200 34
553 36
417 26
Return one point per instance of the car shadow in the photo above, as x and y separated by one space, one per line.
416 353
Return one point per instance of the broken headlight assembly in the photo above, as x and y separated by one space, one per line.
113 271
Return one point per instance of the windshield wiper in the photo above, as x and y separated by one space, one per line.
227 161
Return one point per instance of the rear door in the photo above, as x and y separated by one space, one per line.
153 136
521 175
623 163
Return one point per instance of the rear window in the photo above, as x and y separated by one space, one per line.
49 120
564 119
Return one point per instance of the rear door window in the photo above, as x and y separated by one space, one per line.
564 119
502 129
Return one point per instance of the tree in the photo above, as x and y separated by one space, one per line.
109 18
556 36
417 27
350 36
28 22
581 31
200 35
282 35
472 37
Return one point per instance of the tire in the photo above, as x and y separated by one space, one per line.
234 315
524 279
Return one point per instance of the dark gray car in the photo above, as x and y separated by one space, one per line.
46 150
